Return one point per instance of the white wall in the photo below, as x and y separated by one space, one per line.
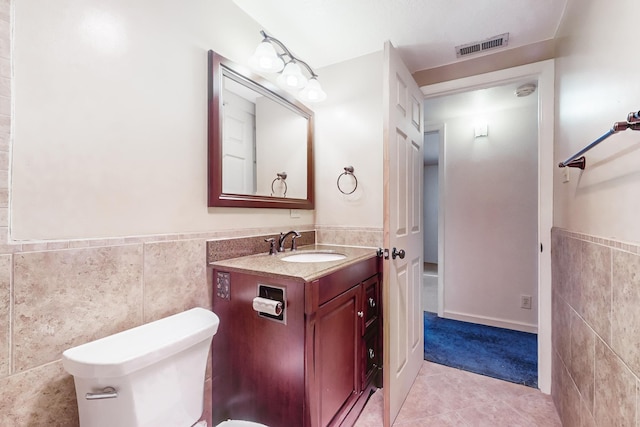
491 218
349 133
596 85
431 192
431 214
110 130
278 134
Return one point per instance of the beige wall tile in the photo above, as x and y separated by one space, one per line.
556 377
595 278
625 317
565 394
69 297
221 249
41 397
561 328
583 342
175 278
5 301
365 237
587 416
568 259
571 410
615 391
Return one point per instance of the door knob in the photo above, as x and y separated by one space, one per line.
361 314
397 253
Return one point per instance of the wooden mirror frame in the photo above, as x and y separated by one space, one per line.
218 67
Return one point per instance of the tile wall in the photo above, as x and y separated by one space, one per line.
350 236
596 330
56 296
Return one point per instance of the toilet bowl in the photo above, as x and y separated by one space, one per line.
148 376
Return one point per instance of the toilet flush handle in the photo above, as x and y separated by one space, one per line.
106 393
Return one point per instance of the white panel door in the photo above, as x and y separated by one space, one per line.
403 230
238 145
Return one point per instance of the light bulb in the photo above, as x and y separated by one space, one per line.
265 58
292 76
313 92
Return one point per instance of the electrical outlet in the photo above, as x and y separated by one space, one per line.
525 302
566 177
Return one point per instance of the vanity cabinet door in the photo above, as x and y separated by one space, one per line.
371 303
370 356
371 353
337 340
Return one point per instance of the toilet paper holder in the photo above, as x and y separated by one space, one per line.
273 293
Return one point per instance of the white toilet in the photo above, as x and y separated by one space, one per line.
148 376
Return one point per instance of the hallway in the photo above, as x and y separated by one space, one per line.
443 396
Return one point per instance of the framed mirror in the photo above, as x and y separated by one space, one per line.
260 141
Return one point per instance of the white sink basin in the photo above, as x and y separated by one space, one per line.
313 257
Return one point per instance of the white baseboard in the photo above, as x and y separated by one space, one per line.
491 321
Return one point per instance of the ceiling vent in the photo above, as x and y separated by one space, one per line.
492 43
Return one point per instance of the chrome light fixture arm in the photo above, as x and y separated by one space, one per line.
272 55
286 52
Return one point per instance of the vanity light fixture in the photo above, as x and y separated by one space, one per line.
266 58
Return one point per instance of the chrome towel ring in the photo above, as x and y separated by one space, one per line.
282 176
348 170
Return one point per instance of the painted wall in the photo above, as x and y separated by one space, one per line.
596 274
110 130
349 133
431 183
108 181
594 90
490 218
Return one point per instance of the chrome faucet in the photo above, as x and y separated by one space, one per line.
283 236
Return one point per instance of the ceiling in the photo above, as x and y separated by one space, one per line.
325 32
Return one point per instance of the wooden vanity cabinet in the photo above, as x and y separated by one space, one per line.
335 373
318 369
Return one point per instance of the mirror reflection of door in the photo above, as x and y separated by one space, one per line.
238 153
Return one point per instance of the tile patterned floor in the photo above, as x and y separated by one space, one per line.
448 397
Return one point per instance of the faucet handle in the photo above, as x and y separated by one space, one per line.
272 248
294 246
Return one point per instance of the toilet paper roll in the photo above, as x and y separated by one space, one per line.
269 306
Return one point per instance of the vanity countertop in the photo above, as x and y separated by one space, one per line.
273 266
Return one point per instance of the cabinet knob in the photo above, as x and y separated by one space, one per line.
372 302
361 314
372 354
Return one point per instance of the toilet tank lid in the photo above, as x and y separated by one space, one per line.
127 351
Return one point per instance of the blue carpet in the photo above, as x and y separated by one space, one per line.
495 352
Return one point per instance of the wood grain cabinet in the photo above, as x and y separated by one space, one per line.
316 366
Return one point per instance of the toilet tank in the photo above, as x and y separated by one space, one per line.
148 376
